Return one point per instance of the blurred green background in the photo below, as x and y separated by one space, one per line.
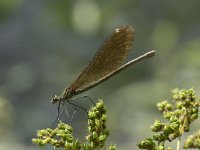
44 44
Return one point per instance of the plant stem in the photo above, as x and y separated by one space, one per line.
178 143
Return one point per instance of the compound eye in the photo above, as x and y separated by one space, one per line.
55 99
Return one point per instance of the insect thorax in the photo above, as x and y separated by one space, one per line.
68 93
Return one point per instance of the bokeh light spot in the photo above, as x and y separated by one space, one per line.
165 36
21 77
86 17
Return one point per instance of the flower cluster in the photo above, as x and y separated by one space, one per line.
98 132
62 135
58 137
193 141
179 115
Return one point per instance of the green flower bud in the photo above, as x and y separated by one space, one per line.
147 144
195 110
102 138
179 104
188 143
104 117
91 114
168 115
112 147
157 126
160 147
94 135
160 137
174 126
173 119
168 129
193 117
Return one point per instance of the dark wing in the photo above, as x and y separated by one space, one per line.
109 57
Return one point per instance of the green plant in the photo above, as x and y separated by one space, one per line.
180 115
62 135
